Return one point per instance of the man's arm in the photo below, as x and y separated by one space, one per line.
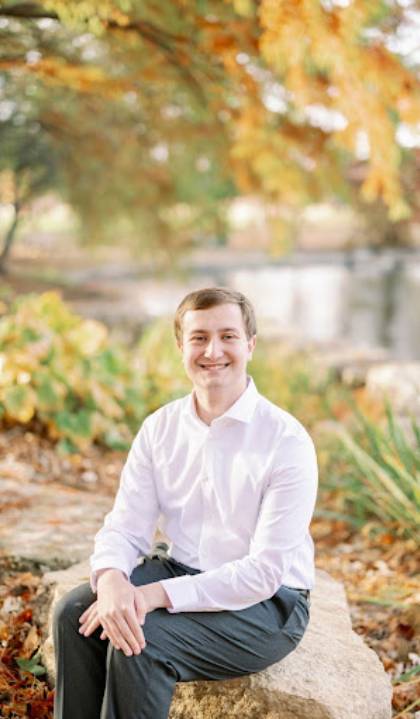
127 534
129 528
283 522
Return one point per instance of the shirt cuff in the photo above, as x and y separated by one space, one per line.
182 594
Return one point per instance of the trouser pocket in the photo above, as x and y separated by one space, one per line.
293 613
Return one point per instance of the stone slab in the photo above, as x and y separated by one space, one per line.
51 526
331 675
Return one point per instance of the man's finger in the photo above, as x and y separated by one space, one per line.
86 614
130 631
88 627
118 640
133 623
89 620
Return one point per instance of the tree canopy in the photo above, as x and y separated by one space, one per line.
150 114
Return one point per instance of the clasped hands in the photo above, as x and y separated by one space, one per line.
121 610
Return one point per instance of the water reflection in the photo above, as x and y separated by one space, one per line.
369 304
366 299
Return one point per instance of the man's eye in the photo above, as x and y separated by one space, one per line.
229 337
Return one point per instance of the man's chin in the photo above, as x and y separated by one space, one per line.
209 381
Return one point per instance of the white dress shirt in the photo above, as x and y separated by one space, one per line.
234 498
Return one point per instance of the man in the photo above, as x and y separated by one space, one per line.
232 481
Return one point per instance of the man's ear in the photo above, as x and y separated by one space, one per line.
251 345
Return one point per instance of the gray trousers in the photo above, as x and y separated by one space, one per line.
96 681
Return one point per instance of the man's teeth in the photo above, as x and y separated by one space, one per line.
213 366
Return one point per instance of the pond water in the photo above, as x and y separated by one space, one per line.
369 303
366 299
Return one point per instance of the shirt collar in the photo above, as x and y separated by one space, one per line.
242 410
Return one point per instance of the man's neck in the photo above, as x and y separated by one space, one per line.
210 405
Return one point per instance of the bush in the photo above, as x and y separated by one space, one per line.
61 369
159 363
376 471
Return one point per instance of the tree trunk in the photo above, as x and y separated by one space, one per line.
8 240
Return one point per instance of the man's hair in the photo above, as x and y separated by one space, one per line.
210 297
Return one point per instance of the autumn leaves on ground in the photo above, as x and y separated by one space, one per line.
69 407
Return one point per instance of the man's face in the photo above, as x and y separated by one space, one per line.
215 348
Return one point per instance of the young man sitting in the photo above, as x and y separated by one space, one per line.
231 479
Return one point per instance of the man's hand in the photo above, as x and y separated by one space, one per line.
120 608
120 611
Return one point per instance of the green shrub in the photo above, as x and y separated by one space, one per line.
159 363
61 369
290 379
376 470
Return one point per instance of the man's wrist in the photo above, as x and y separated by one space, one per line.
155 596
109 571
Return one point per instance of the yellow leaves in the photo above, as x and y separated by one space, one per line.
244 7
105 401
377 184
303 42
31 643
61 368
19 402
319 53
89 337
121 19
282 43
49 307
81 78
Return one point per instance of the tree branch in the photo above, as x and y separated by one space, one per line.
146 30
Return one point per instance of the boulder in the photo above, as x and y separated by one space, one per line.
400 382
49 526
332 674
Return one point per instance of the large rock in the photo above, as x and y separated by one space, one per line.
331 675
400 382
48 526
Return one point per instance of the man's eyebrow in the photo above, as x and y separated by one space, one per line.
225 329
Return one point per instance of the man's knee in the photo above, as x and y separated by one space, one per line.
70 607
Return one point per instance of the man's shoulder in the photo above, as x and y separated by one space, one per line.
282 422
168 411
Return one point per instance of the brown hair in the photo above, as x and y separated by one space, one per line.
210 297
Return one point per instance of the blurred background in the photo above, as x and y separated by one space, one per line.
146 151
149 149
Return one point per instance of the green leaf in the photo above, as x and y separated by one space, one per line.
66 446
19 402
46 394
30 335
31 665
407 675
75 423
114 441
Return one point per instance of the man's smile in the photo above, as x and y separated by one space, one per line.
214 366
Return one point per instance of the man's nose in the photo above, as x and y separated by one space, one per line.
214 348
